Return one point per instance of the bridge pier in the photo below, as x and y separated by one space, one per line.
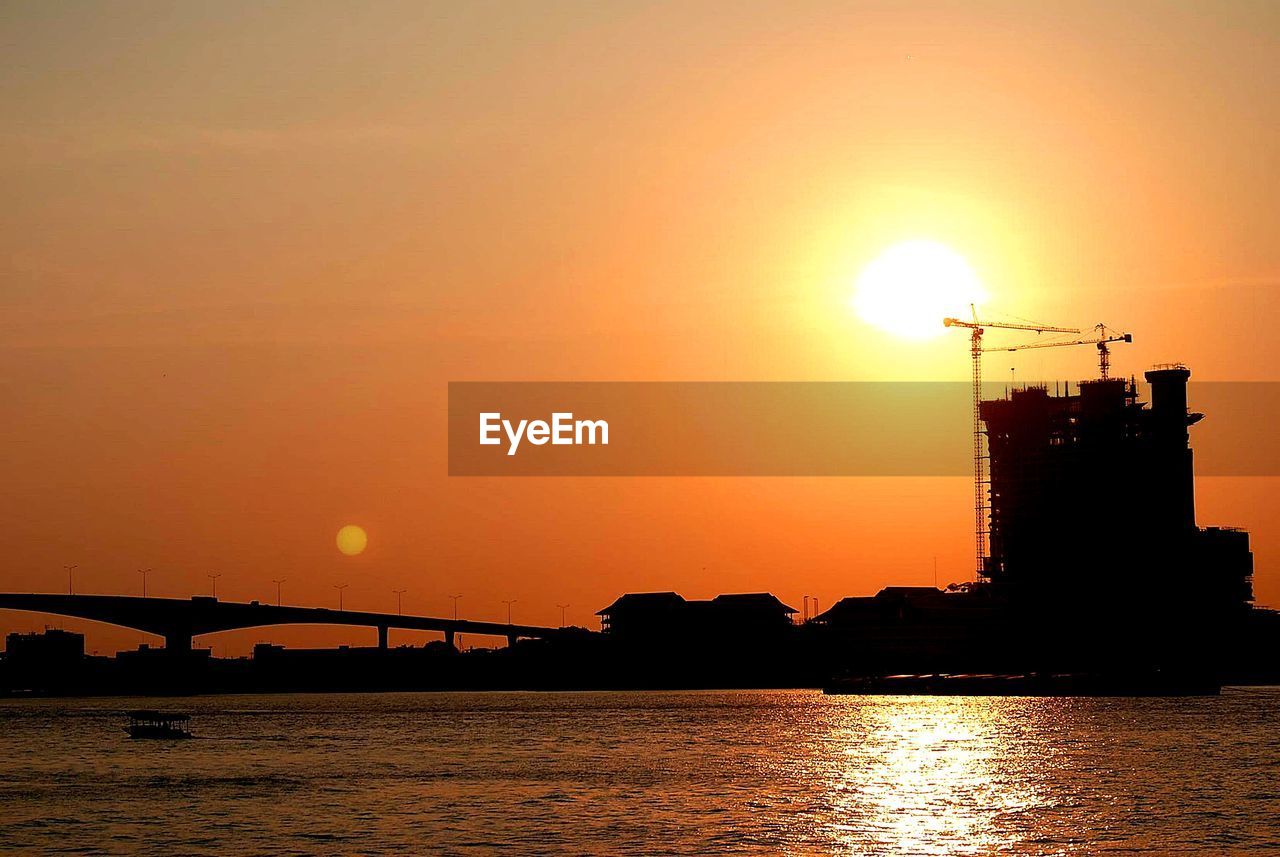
448 637
511 640
178 640
382 636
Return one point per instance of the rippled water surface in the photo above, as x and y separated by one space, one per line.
646 773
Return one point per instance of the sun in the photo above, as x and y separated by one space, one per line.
352 540
910 287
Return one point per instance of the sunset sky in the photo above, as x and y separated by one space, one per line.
245 247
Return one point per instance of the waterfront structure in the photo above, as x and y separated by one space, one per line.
642 615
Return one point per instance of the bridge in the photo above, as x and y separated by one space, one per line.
178 620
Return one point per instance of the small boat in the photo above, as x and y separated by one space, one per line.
157 724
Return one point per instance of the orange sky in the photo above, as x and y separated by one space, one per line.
245 248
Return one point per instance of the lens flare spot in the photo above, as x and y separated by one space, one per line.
352 540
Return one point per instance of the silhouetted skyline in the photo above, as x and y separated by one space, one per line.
245 259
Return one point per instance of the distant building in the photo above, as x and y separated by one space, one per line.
891 604
911 629
667 614
146 652
51 648
43 661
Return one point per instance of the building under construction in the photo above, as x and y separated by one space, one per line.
1092 520
1096 488
1095 561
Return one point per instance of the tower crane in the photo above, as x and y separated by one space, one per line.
976 350
1104 353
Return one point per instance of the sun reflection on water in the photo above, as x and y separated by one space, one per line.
926 775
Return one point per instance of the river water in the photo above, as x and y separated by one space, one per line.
646 773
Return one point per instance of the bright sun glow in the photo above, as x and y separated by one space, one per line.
910 287
352 540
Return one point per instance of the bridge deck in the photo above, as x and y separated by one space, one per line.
175 618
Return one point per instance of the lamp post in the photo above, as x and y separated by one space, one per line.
144 572
562 609
214 577
70 568
455 606
398 593
340 587
277 583
509 603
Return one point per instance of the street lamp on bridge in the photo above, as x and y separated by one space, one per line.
509 603
455 606
277 583
562 607
398 593
70 568
340 587
144 572
214 577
